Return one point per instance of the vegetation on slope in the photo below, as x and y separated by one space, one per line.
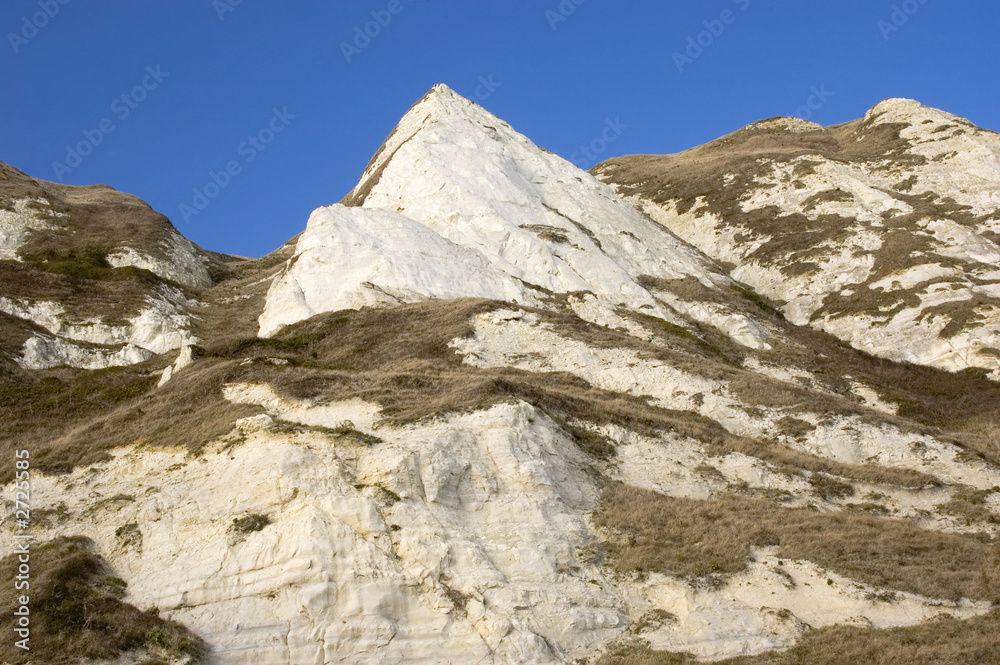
700 538
77 611
945 641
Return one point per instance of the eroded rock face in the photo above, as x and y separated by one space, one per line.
89 343
125 229
353 257
341 523
463 540
518 339
450 543
17 222
181 261
455 202
882 231
110 279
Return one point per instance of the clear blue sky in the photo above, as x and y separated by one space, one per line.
229 64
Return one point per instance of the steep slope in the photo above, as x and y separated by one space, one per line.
882 231
107 280
419 433
458 203
435 483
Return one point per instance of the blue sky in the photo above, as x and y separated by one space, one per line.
165 93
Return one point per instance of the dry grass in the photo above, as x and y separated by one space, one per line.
67 261
398 358
963 407
73 417
36 408
250 523
547 233
77 611
945 641
905 245
232 305
97 216
748 154
68 417
85 287
694 538
969 506
793 239
13 333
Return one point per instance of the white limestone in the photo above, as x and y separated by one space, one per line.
466 539
161 326
455 541
962 163
516 339
16 224
489 514
352 257
457 194
182 263
45 352
184 358
770 604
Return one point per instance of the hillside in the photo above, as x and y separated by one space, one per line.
100 278
882 231
488 410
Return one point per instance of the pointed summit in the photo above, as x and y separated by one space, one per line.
455 173
441 104
470 177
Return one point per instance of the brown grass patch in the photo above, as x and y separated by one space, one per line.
793 239
398 358
68 417
77 611
746 156
414 374
97 216
693 538
85 286
944 641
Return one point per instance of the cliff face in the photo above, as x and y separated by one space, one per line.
486 410
102 278
882 231
456 203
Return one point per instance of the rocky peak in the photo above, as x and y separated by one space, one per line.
908 111
457 177
794 125
441 104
